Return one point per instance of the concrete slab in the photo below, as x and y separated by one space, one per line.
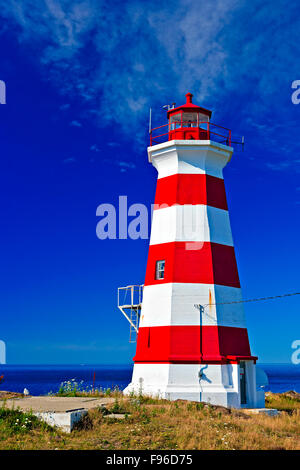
56 404
62 412
64 421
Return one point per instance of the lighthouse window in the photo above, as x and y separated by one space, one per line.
175 121
203 118
160 269
189 120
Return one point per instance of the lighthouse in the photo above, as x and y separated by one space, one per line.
192 340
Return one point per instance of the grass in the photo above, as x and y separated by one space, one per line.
72 388
160 424
288 401
17 428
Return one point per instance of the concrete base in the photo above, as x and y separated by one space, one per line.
62 412
215 395
217 384
63 421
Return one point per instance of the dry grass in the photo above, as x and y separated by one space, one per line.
4 395
160 424
288 401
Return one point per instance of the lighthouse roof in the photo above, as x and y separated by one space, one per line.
189 106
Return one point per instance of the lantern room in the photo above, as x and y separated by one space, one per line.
189 121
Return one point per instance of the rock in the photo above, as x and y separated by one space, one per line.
292 394
116 416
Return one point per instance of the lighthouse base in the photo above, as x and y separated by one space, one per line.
229 385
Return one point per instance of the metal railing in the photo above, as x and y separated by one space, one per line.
209 131
130 303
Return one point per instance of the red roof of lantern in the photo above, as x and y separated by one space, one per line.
189 106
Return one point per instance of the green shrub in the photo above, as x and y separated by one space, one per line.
16 422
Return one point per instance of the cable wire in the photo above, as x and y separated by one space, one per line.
255 300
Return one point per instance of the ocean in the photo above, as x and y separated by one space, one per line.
43 379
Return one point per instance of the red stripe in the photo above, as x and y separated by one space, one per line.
192 344
191 189
207 263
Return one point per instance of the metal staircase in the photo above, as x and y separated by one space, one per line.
130 304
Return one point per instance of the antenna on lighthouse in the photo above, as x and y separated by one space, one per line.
169 106
150 120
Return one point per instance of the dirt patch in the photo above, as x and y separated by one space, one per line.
6 395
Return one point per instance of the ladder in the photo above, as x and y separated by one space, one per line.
130 304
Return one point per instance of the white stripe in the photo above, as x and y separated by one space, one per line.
219 382
189 157
189 222
186 375
174 304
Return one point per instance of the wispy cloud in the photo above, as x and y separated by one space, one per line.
139 53
113 144
75 123
94 148
69 160
120 60
126 165
64 107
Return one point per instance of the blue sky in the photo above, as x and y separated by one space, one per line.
80 79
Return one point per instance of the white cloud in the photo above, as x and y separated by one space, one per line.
113 144
69 160
64 107
94 148
126 164
121 60
141 53
75 123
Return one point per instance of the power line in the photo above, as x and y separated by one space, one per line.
254 300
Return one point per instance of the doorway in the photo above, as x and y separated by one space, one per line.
243 383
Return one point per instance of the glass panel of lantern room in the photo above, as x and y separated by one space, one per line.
190 120
175 121
203 120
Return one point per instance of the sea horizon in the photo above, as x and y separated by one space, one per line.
42 379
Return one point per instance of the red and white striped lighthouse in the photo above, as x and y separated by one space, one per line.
192 342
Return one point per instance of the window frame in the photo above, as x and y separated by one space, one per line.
160 271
